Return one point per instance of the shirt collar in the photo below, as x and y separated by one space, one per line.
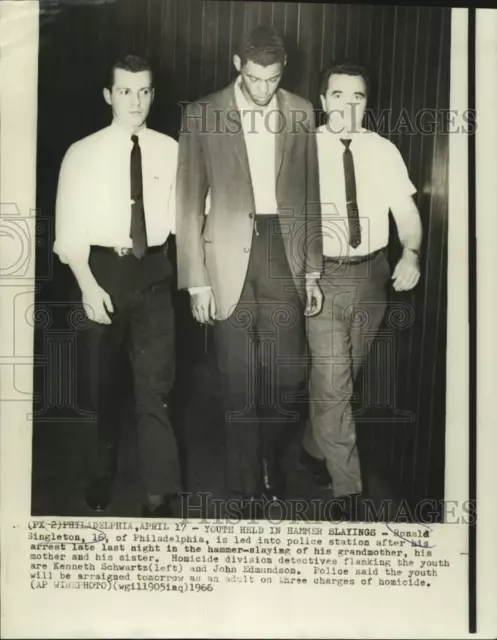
337 136
243 104
123 133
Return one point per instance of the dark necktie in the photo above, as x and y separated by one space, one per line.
138 232
351 196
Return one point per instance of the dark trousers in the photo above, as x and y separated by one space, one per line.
340 337
143 330
260 351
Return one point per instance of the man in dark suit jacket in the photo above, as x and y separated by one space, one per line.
251 258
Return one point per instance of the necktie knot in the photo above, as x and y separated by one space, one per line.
134 139
346 142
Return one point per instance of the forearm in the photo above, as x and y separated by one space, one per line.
193 290
412 235
408 223
82 272
190 252
314 230
311 278
191 189
314 249
73 250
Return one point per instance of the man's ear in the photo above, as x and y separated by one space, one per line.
237 62
323 102
107 96
152 97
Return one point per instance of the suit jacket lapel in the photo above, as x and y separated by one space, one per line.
235 130
281 135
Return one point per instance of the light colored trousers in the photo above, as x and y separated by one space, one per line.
340 337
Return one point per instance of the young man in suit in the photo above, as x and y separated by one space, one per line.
251 264
114 214
362 177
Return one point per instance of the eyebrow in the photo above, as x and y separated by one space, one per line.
356 93
129 88
272 78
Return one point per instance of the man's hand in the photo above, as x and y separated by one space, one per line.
314 296
97 304
407 272
203 306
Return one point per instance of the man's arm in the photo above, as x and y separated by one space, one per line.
71 237
313 224
408 221
195 290
407 272
402 205
314 231
171 204
406 215
191 189
71 242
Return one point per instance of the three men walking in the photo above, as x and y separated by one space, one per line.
281 233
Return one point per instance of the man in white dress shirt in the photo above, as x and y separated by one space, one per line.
362 178
251 264
115 210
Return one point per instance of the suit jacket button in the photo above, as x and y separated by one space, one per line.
246 249
251 215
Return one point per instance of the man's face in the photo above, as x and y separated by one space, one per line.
131 98
345 102
259 83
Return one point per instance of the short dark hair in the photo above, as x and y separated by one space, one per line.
135 64
263 45
347 68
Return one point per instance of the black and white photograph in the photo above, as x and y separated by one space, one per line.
245 247
241 303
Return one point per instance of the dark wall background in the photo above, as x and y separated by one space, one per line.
191 43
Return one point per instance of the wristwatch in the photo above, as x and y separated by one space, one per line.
415 251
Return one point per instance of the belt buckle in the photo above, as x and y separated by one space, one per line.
122 251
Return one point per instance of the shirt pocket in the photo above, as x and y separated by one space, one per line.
373 188
157 188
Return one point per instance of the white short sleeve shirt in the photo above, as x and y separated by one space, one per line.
94 191
381 179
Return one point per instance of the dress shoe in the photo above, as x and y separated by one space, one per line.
239 507
252 509
273 482
163 510
317 468
355 508
348 508
99 494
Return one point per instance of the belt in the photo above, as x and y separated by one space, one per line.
127 251
353 259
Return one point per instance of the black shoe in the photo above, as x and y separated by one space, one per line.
273 482
239 507
355 508
252 509
348 508
317 468
164 510
99 494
